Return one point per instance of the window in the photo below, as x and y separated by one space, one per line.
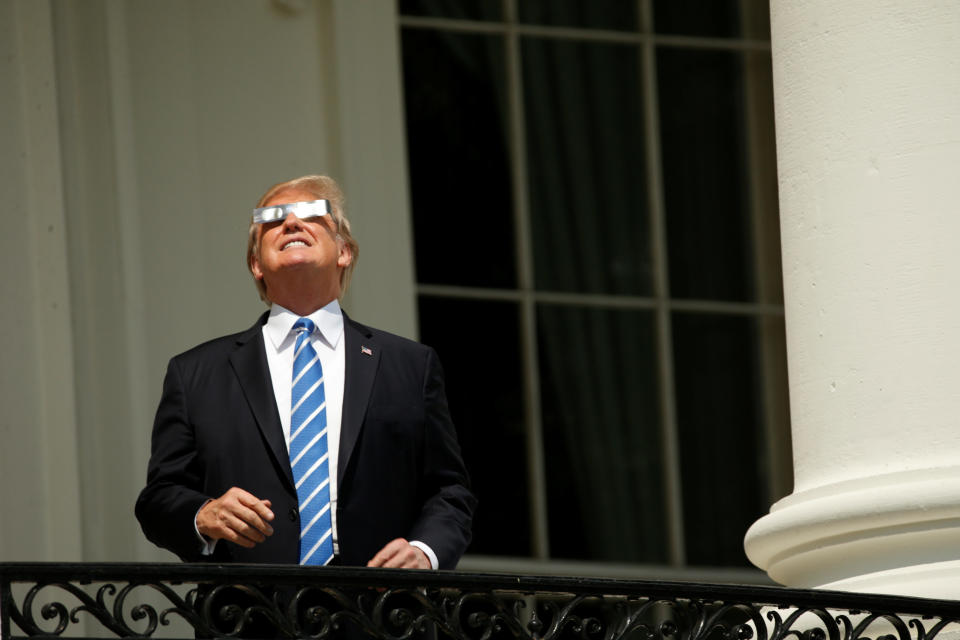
597 253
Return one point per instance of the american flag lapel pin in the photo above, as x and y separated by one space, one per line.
367 351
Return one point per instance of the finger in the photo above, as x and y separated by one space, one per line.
263 510
240 495
247 499
378 559
405 558
249 508
262 507
224 526
397 561
237 538
242 528
384 556
252 519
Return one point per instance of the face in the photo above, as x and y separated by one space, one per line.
294 248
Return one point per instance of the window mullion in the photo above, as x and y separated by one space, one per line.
673 490
536 471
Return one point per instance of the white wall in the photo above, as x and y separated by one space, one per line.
136 137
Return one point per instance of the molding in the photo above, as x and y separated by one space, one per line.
839 534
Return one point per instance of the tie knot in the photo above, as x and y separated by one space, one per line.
304 324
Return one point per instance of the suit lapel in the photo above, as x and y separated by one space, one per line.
249 363
362 358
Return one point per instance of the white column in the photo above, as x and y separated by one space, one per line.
867 96
365 48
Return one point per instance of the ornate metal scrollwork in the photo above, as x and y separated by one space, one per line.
391 605
109 615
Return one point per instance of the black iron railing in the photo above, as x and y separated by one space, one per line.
177 600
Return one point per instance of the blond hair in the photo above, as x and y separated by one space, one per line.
324 188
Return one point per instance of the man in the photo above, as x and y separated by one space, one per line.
309 437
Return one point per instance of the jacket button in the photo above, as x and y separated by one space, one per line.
292 514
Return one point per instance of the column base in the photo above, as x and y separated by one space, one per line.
898 533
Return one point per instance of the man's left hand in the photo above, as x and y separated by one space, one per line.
400 554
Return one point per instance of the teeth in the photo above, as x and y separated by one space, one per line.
295 243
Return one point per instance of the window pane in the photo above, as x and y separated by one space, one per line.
719 412
706 188
458 157
478 344
586 168
715 18
595 14
460 9
601 434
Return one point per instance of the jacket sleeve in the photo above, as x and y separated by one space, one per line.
445 521
167 506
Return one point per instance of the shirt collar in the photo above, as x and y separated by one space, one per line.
328 319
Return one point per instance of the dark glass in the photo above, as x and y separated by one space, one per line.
706 186
479 346
457 9
586 167
617 15
601 434
719 414
458 158
710 18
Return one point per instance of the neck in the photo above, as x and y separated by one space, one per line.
303 302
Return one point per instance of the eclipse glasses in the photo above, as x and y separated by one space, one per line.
302 210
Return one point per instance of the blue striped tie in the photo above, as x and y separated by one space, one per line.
308 450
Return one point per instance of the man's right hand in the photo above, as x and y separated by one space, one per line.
237 516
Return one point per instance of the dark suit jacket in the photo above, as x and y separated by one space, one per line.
400 473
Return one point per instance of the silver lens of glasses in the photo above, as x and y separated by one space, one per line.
302 210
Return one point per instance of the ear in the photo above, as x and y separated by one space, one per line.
346 254
255 267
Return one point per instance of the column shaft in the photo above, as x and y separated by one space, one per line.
867 97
